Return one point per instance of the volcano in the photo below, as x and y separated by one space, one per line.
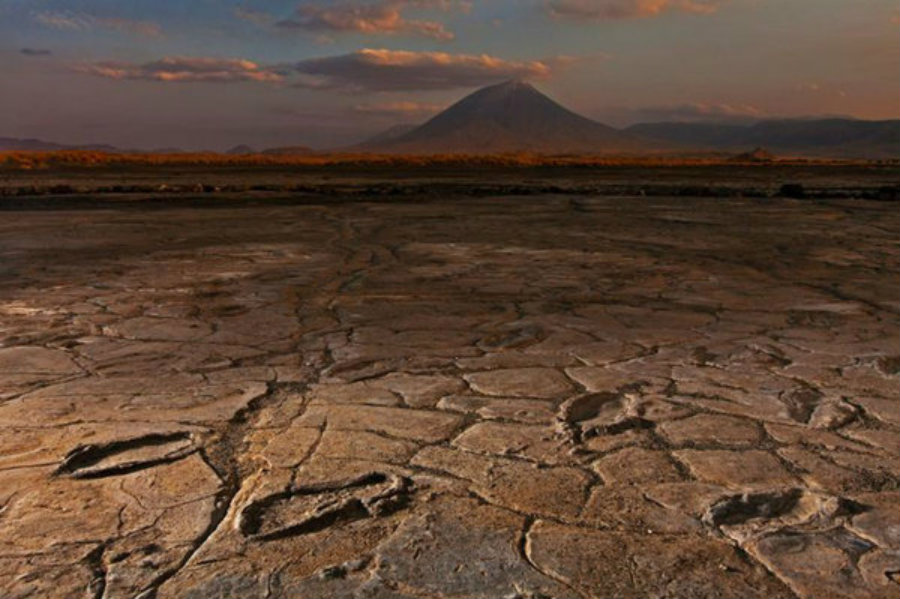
509 117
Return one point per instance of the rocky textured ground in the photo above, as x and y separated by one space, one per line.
498 397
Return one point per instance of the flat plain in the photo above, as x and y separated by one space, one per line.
526 383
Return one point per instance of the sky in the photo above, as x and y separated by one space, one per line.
211 74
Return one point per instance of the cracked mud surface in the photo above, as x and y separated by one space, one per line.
510 397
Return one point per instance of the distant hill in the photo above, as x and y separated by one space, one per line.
12 144
833 138
755 155
509 117
241 150
390 134
289 151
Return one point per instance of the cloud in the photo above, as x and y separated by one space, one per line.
58 20
35 52
822 89
605 10
365 70
401 108
398 70
253 16
182 69
72 21
383 17
144 28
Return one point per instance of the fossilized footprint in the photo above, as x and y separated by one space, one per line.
301 510
127 455
596 414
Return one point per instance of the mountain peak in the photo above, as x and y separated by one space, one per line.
515 84
511 90
511 116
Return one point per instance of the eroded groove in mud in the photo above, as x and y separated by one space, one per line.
523 548
94 559
224 458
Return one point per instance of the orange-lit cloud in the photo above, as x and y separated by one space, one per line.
367 69
394 70
383 17
183 69
603 10
73 21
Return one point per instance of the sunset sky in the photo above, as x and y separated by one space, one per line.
214 73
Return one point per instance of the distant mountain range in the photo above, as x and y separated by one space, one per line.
833 138
516 117
13 144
